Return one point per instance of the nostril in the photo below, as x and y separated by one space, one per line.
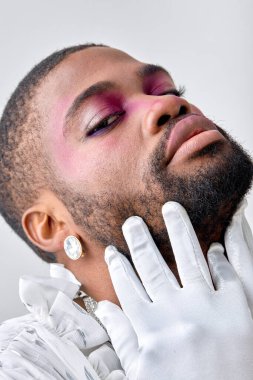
182 111
162 120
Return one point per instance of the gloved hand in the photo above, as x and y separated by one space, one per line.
239 248
106 363
167 332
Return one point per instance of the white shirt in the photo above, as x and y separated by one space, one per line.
55 339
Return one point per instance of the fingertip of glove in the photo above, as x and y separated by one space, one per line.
215 248
174 212
132 221
242 206
171 207
110 253
240 211
106 311
102 308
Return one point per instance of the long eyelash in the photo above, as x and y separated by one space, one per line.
174 91
101 123
178 92
181 90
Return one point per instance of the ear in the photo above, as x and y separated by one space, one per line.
46 224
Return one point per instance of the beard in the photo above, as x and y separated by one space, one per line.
210 194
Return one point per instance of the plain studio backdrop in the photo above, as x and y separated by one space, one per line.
206 45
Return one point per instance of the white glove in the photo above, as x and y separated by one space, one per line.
106 363
170 333
239 248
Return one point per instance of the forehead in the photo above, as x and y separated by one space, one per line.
83 68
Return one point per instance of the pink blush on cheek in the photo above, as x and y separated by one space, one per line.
65 156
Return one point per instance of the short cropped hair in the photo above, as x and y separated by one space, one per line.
23 166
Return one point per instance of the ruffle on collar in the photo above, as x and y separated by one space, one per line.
50 301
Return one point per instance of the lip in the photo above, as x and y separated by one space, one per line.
190 134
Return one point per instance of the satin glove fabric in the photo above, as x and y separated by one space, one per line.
167 332
239 248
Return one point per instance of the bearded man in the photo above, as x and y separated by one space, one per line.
90 137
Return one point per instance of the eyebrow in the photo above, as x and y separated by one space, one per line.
105 86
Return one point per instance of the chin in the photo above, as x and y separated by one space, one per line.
210 184
213 150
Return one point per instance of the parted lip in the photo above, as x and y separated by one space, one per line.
185 128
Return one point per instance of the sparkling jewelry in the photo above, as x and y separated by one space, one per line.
90 305
73 247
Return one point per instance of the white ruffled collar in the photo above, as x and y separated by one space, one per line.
50 301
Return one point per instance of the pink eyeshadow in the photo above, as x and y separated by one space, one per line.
157 80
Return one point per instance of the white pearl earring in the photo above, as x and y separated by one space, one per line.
73 247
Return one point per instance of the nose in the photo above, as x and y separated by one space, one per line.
162 110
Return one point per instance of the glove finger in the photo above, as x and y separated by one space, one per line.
191 264
221 270
247 234
148 261
239 254
117 375
120 331
242 206
127 286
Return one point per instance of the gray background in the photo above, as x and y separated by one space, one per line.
206 45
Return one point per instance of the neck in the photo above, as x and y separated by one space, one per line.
92 272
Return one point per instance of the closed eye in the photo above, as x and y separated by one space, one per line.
105 124
110 121
174 91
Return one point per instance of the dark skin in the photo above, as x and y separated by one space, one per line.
97 163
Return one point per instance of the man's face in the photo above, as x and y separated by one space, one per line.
121 142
